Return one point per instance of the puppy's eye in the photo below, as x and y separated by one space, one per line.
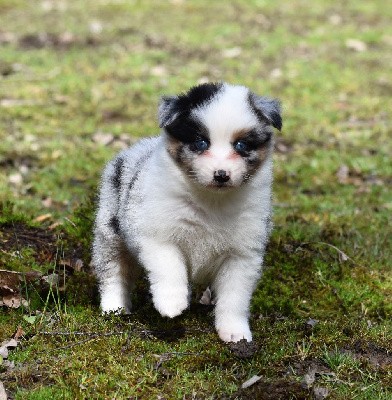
201 145
240 146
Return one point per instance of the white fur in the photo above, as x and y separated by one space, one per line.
182 232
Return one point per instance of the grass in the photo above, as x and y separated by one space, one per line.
100 69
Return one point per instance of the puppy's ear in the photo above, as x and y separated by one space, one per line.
266 109
167 110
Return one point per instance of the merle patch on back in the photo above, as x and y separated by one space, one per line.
115 224
118 170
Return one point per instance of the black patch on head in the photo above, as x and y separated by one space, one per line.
118 170
187 130
174 112
267 110
197 96
114 223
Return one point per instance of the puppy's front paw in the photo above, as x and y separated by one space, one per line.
234 331
116 310
111 303
170 303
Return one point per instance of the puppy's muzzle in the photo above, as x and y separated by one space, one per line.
221 176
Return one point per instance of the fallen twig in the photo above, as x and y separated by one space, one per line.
77 333
342 255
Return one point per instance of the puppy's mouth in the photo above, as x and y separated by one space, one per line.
221 186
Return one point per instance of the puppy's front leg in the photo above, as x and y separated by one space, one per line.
233 287
167 275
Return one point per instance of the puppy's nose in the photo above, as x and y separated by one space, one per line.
221 176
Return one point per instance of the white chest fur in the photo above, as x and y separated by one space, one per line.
205 228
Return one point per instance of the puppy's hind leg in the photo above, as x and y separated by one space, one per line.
116 271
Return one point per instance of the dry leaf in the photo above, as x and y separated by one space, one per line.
47 202
276 73
96 27
356 45
43 217
54 225
250 381
3 352
320 393
10 289
335 19
232 53
206 298
7 37
342 173
15 179
9 282
13 301
159 71
8 344
103 138
3 393
309 378
19 333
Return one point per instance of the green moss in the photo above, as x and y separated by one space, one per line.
55 96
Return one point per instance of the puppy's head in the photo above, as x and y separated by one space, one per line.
219 134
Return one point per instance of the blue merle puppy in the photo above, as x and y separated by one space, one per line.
192 205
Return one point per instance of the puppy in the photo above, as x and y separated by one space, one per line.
192 205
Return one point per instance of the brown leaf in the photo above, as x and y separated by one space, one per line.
13 301
10 287
19 333
43 217
54 225
9 284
